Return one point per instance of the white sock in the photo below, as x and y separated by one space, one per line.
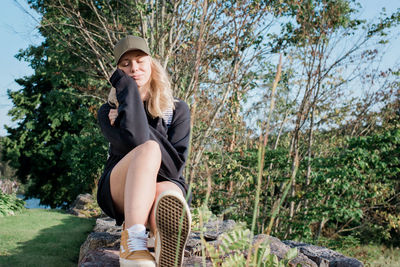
137 237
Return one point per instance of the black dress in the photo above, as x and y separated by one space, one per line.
134 126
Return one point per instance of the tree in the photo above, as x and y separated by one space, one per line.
219 55
203 44
56 147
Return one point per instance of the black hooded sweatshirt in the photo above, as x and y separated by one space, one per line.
134 125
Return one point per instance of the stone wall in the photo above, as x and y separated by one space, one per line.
101 247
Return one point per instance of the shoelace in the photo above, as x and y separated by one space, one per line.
137 242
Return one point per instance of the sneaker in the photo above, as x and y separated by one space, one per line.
151 241
173 222
138 258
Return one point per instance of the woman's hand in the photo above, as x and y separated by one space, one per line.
116 76
112 115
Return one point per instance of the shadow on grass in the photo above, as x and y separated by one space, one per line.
55 243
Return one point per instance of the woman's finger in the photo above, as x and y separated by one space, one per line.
113 112
112 115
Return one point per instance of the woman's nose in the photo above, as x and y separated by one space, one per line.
134 66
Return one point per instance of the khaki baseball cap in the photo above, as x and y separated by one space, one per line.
130 43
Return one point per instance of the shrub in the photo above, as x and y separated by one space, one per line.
10 204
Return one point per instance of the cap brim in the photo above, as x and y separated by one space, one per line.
128 50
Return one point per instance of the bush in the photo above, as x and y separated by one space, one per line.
10 204
57 147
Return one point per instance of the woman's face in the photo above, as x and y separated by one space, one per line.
137 65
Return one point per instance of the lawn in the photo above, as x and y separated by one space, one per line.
40 237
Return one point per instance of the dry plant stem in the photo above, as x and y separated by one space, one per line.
276 208
203 241
309 155
187 168
195 77
317 69
261 154
232 80
205 204
173 43
202 146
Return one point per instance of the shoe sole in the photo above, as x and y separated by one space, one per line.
171 209
136 263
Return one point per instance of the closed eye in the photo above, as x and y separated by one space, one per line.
124 63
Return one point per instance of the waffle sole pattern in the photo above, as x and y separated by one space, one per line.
173 223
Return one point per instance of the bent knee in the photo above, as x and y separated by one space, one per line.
151 144
150 148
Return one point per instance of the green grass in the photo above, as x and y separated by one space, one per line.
39 237
375 255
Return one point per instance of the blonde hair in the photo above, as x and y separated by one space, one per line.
160 93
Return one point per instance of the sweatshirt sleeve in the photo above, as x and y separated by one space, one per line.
130 127
174 148
179 132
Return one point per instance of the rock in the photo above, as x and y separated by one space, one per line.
195 262
81 200
101 247
107 225
345 262
100 258
99 240
82 206
216 228
213 230
280 249
324 257
193 246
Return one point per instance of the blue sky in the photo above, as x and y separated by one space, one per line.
18 31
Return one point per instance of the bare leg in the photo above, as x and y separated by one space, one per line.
133 182
161 187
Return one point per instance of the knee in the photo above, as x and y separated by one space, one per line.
150 149
153 147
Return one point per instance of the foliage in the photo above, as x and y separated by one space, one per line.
56 146
323 175
233 246
6 172
92 209
353 190
200 216
314 20
10 204
374 255
357 187
234 184
75 61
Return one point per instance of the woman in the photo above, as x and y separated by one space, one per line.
142 182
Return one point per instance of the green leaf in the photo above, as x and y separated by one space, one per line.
291 254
